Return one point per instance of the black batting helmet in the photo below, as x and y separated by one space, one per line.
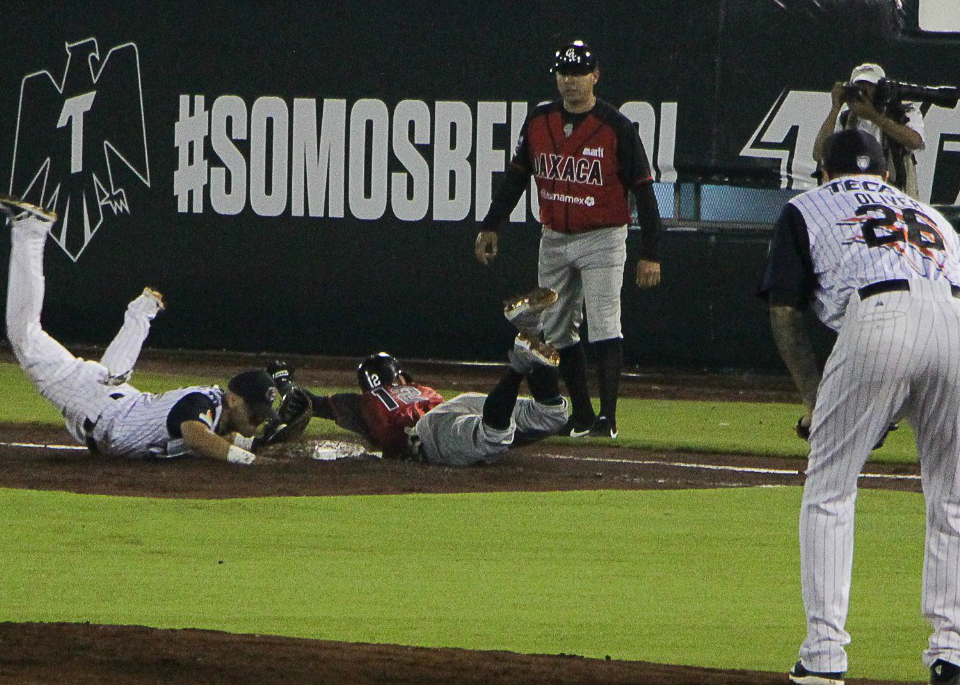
574 58
379 369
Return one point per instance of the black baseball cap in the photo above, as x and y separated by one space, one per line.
853 152
257 390
575 58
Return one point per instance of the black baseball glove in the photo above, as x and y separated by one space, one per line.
803 432
294 414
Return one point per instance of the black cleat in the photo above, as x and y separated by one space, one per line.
944 673
604 428
801 676
577 429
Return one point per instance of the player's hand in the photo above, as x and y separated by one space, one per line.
282 374
802 428
648 274
485 248
837 94
862 108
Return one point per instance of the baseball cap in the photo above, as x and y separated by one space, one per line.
853 152
257 390
868 72
575 58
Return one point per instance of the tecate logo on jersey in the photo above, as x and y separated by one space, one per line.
332 158
73 114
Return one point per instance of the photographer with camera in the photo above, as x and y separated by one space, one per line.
865 103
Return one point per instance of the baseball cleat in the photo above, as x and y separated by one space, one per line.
801 676
529 348
604 428
524 311
577 429
17 209
944 673
156 295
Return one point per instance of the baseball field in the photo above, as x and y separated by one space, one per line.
669 556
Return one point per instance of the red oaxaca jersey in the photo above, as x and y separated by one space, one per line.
387 410
582 177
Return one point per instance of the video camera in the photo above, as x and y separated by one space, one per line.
889 92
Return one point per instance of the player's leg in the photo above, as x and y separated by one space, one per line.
546 413
864 387
561 324
498 407
121 354
455 433
602 263
69 383
32 347
937 424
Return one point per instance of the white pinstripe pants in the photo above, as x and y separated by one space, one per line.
78 388
897 355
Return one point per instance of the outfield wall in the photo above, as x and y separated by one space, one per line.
307 178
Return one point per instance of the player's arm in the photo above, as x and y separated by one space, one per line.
829 125
787 284
648 216
343 408
508 193
863 108
793 342
191 419
203 442
636 175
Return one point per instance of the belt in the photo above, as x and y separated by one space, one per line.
88 427
894 285
90 424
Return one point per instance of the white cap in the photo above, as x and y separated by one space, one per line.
868 72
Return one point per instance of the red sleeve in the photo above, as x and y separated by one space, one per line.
387 411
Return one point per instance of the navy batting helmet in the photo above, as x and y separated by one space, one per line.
574 58
379 369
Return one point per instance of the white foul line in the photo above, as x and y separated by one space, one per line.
716 467
33 445
602 460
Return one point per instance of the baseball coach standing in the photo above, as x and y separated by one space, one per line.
586 157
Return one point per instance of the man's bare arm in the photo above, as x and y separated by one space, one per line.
793 342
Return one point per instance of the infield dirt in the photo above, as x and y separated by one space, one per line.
115 655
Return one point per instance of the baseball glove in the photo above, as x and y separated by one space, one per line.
294 414
803 432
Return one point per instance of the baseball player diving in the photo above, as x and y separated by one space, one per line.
408 420
884 271
99 407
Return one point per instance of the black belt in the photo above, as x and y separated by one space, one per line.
90 424
88 427
894 285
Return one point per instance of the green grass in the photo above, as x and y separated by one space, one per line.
732 427
633 575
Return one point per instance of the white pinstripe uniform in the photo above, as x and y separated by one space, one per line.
97 403
897 355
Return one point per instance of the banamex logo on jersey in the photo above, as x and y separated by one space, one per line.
68 153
